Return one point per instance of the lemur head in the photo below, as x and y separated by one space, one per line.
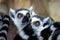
36 23
40 22
20 16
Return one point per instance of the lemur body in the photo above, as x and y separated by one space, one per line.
21 19
46 29
56 36
4 24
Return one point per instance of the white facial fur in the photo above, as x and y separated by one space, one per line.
20 26
24 12
18 22
40 27
34 19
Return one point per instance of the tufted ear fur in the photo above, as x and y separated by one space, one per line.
48 20
12 14
32 11
31 8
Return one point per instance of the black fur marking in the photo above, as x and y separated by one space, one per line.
6 16
46 33
0 19
25 19
3 35
1 14
1 23
6 22
4 28
28 30
17 37
55 37
45 24
57 25
33 38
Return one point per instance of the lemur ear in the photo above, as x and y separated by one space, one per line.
31 8
12 14
32 11
48 20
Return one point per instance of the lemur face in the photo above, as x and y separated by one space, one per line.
20 16
36 23
23 16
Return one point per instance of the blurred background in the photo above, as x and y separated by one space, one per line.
41 7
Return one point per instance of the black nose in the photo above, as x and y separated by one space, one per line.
25 19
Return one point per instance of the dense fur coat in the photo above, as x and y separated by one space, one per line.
27 30
46 28
22 21
57 36
4 24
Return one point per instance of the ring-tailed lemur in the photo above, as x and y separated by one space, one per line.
4 24
28 31
44 29
21 19
57 35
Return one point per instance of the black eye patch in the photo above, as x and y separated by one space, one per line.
45 24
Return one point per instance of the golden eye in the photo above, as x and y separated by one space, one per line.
28 15
19 15
36 23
